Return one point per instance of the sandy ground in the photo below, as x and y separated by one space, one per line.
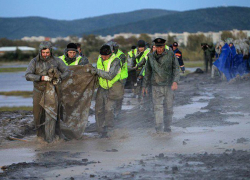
210 139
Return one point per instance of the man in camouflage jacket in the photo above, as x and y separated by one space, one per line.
162 72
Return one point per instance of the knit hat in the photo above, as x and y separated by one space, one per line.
141 43
105 50
71 47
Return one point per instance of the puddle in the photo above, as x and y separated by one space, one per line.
191 69
15 81
14 66
11 101
10 156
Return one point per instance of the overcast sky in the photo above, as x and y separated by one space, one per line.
78 9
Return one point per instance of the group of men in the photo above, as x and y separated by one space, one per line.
157 68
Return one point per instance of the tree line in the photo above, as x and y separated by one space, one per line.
92 43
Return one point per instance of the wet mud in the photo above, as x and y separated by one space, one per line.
228 165
209 140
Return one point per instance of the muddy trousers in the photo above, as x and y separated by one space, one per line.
104 110
163 98
118 106
44 123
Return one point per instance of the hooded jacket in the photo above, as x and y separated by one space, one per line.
39 67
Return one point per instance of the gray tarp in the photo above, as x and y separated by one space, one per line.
76 94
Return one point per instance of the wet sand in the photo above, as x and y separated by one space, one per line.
210 139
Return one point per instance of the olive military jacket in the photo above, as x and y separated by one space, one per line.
161 70
39 67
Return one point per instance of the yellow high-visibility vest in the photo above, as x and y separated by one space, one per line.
73 63
105 66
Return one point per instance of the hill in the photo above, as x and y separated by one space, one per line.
16 28
209 19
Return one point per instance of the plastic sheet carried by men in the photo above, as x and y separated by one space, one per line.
76 93
231 62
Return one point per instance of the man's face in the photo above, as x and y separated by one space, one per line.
154 48
71 54
105 57
141 49
45 53
160 49
79 50
174 47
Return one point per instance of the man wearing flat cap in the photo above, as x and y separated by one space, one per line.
71 56
162 72
109 91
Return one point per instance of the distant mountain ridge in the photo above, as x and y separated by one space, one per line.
16 28
141 21
204 20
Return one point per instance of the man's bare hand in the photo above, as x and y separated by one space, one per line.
174 86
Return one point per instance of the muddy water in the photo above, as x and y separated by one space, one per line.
11 101
127 146
9 156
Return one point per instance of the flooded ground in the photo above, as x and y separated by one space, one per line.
15 81
210 139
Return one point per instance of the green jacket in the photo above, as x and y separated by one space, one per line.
210 51
161 70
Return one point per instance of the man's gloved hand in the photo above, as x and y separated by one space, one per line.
183 69
46 78
93 71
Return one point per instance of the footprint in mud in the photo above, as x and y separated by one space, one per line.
119 134
112 150
242 140
161 134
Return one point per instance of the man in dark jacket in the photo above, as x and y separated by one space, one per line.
178 54
209 52
38 71
162 72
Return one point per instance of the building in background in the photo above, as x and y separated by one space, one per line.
24 49
181 38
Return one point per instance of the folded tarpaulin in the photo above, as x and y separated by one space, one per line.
70 100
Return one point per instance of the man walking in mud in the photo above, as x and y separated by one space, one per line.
162 72
46 70
109 91
138 61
